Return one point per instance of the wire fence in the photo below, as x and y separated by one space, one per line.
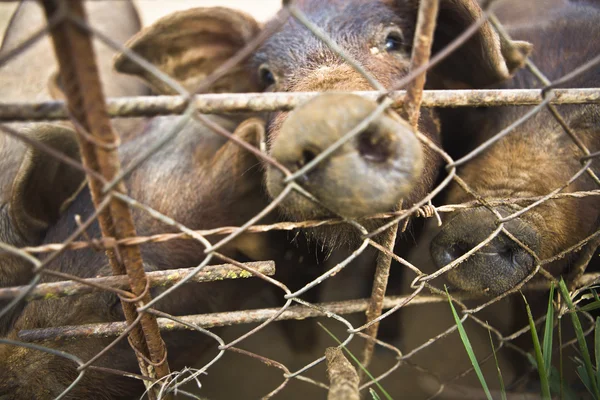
145 242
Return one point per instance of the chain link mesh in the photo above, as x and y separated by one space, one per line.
429 354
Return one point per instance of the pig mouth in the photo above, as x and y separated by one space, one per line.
493 269
492 272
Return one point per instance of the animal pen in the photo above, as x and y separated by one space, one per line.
90 112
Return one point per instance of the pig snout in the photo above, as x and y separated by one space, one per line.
368 174
495 268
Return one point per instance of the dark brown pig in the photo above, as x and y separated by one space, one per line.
533 160
33 189
33 184
198 181
191 44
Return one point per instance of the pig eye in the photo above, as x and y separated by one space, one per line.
267 77
393 40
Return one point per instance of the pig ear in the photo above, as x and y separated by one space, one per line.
43 183
485 58
189 45
251 131
233 165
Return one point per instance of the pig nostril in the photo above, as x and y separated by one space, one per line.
458 250
307 156
521 258
374 147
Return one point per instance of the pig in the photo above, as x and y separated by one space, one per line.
119 21
33 188
33 184
32 75
191 44
183 45
363 177
533 160
200 182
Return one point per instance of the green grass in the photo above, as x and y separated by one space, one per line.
540 357
585 369
548 331
374 394
469 348
551 379
500 379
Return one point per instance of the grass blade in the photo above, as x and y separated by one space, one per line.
591 306
374 394
584 378
594 305
564 392
589 370
597 350
469 348
548 331
539 357
500 379
385 393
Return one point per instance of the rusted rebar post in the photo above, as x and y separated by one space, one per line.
382 274
342 376
426 20
80 77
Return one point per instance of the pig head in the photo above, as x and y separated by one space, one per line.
189 45
533 160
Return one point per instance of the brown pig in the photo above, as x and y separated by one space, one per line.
33 189
533 160
191 44
363 177
33 184
183 46
196 180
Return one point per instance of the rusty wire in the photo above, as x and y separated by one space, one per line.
121 242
